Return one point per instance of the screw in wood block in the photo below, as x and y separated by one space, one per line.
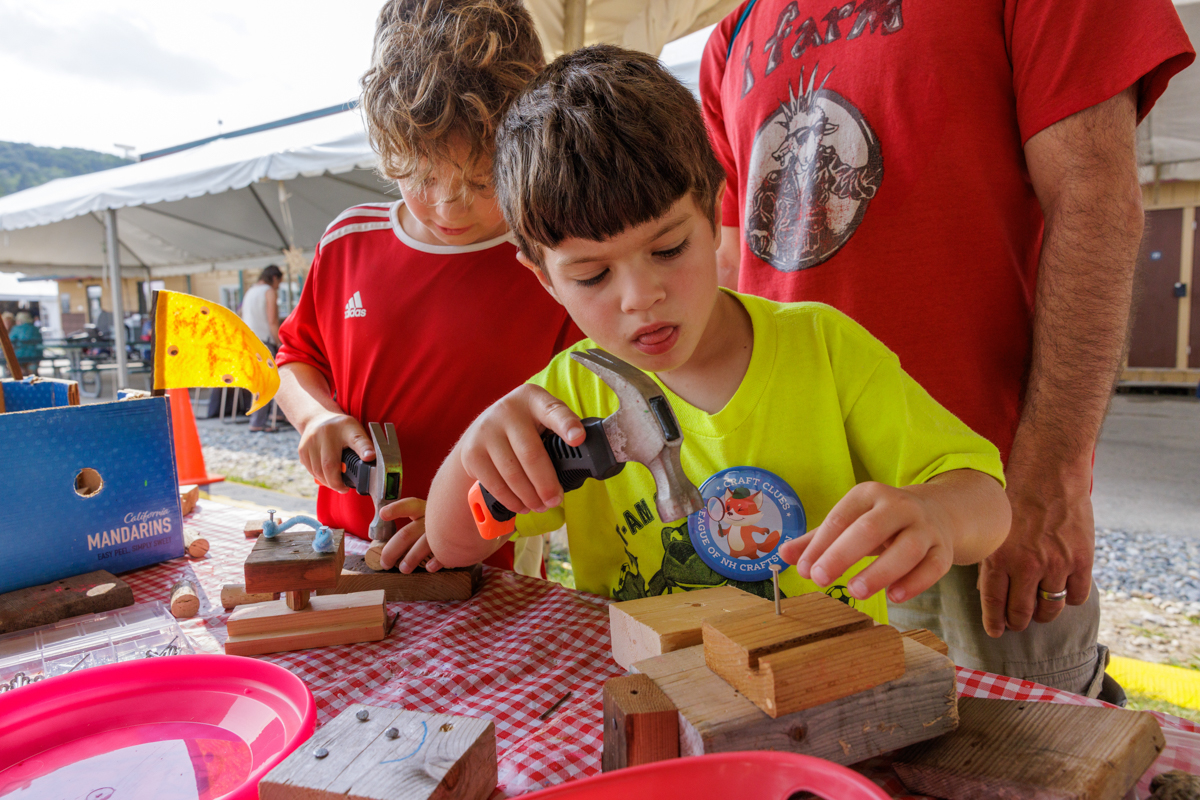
641 724
816 651
391 754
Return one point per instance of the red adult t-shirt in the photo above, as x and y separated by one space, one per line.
875 163
419 335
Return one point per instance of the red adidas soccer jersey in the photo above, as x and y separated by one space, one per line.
423 336
875 163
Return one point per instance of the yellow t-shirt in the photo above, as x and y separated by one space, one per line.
824 405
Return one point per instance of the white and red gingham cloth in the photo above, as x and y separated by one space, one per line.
509 653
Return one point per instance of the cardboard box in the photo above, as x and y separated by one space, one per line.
85 488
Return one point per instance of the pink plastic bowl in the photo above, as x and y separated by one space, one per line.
745 776
205 727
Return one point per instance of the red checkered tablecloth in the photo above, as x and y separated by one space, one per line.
509 653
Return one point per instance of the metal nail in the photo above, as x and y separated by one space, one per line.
775 580
271 511
392 733
320 752
86 656
363 715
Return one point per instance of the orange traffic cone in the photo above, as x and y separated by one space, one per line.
188 458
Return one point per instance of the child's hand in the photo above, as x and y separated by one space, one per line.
409 542
907 529
503 448
321 447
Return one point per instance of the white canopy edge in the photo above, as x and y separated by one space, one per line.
59 271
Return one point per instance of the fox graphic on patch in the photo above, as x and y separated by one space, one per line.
737 526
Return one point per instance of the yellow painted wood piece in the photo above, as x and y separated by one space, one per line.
1034 751
651 626
200 343
715 718
816 651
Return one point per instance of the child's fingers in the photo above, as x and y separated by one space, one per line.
853 505
358 441
935 564
329 470
791 551
415 555
558 417
863 537
485 471
404 508
907 552
536 480
433 565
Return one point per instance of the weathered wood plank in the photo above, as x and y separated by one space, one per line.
90 593
287 562
716 718
445 585
427 757
1026 750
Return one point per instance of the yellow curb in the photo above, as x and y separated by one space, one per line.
1160 681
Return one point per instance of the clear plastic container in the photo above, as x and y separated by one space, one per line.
146 630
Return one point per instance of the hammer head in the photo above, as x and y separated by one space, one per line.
644 429
386 477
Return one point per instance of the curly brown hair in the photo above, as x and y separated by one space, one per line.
602 140
444 71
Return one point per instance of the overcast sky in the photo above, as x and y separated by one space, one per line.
154 73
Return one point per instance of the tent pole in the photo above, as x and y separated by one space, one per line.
118 301
574 24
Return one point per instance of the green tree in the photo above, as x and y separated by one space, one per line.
24 165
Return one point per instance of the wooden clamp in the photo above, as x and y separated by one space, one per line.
641 724
818 650
369 753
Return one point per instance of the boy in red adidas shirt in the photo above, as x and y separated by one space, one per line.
418 312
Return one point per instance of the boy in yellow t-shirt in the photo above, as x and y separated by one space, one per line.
793 416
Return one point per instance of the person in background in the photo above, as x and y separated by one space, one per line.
260 311
27 342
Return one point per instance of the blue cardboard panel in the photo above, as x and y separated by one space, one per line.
28 395
48 530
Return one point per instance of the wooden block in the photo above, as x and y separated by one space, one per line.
188 497
253 528
641 724
91 593
185 602
927 638
287 562
715 718
234 594
297 600
444 585
432 757
274 628
816 651
195 544
1039 751
651 626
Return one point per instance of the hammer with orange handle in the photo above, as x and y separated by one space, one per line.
643 429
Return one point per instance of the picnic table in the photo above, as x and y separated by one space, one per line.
510 653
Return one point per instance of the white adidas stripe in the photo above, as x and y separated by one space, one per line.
383 210
358 227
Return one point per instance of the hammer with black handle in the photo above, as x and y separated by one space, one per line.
643 429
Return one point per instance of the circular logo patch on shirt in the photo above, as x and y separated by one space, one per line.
749 512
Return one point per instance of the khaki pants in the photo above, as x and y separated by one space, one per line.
1062 654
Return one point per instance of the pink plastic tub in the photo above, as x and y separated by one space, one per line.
204 727
745 776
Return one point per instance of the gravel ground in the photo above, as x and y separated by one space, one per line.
1150 583
267 460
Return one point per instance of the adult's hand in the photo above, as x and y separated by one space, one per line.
1050 546
1084 172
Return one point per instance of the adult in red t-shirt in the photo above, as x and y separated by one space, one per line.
961 179
423 335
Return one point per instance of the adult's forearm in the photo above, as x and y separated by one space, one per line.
304 394
1091 201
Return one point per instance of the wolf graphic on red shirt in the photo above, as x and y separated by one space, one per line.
742 510
827 168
